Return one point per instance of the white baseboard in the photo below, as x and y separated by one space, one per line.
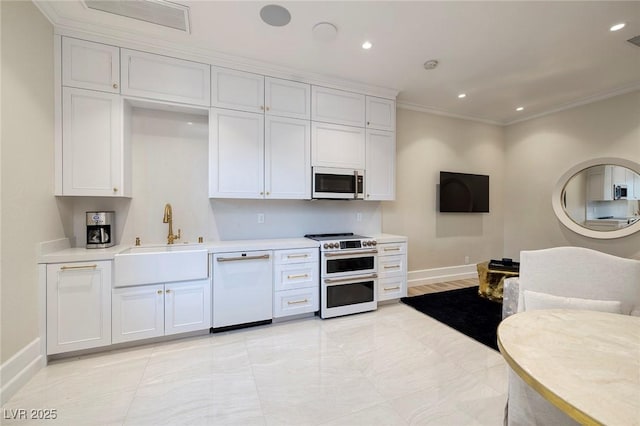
439 275
19 369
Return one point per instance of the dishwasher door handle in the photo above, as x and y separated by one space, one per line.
235 259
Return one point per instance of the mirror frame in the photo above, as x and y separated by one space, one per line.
561 214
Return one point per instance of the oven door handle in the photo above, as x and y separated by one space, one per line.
346 279
351 253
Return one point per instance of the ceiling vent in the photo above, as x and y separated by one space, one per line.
159 12
635 40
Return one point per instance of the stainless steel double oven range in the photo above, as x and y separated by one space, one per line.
348 277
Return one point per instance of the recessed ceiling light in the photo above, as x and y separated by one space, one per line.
274 15
190 123
617 27
519 108
367 45
462 95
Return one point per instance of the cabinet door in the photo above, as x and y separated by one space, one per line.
89 65
380 182
287 158
287 98
337 106
239 90
242 288
381 113
599 183
162 77
138 313
78 306
236 154
92 154
636 186
337 146
187 306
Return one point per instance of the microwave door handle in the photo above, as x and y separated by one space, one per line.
355 184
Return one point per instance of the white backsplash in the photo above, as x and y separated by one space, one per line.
170 165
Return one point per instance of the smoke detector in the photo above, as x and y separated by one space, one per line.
430 64
159 12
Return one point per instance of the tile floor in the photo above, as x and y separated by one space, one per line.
393 366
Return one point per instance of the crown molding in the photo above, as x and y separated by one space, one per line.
584 101
431 110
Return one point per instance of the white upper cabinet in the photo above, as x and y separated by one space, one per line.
287 98
93 149
287 158
380 180
337 146
236 154
164 78
337 106
243 91
89 65
381 113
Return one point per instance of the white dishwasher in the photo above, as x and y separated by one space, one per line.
242 288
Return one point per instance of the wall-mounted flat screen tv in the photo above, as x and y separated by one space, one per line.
464 193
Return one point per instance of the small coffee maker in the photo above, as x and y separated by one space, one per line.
100 227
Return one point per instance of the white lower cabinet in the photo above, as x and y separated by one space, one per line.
78 306
296 282
148 311
392 270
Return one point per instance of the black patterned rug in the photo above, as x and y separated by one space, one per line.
463 310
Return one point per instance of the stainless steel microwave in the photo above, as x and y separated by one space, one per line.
337 183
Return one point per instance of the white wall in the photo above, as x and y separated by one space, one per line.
30 213
170 165
539 151
427 144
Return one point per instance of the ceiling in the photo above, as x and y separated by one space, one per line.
542 56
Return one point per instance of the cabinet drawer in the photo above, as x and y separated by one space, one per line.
392 249
296 275
165 78
294 302
392 288
392 265
284 257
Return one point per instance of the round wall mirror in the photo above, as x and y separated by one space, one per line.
600 198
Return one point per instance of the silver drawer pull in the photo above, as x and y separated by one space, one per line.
233 259
392 267
66 268
295 256
392 288
297 302
347 279
392 249
292 277
351 253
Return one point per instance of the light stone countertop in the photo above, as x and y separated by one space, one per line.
586 363
59 251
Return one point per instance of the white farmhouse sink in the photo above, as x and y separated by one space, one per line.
160 264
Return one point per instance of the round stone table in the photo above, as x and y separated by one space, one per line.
585 363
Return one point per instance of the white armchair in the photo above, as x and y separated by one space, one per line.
568 278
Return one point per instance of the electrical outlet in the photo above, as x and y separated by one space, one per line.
359 217
466 260
260 217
